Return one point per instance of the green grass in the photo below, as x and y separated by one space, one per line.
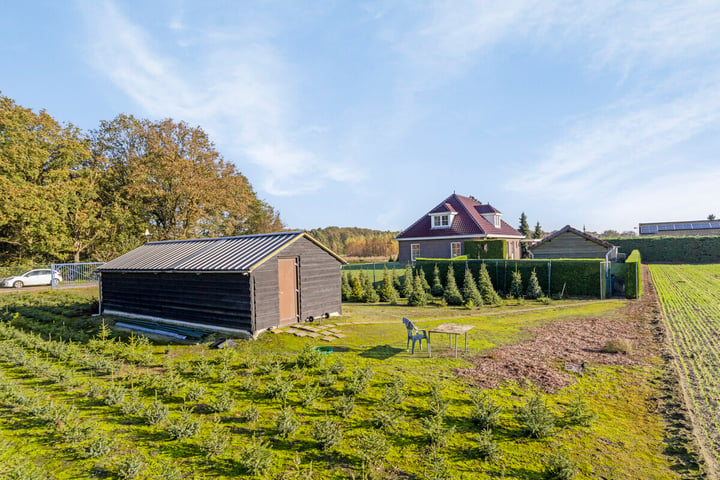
626 440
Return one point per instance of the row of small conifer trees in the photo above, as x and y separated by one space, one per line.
358 287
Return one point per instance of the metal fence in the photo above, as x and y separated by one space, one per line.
75 275
374 270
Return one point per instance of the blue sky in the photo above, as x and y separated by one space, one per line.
354 113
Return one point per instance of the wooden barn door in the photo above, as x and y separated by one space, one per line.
288 285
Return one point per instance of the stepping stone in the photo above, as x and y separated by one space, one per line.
334 330
298 333
329 325
295 325
308 329
327 339
276 331
339 335
313 335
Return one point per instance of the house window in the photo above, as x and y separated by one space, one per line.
441 221
414 251
454 249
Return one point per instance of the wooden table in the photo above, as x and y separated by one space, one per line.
451 329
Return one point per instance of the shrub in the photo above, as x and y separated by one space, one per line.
222 403
533 290
370 294
579 413
489 295
407 284
437 403
344 406
327 433
215 442
386 416
185 426
372 447
486 448
309 357
387 290
437 289
452 295
516 290
132 404
435 431
194 391
286 423
419 272
470 291
345 287
250 414
130 467
357 290
617 345
202 368
436 466
559 467
327 379
359 380
97 446
485 412
256 457
338 367
309 394
114 395
156 413
279 388
535 418
417 297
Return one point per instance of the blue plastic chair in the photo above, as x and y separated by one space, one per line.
415 335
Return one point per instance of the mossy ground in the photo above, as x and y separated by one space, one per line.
628 440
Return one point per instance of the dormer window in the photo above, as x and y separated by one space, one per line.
494 218
441 220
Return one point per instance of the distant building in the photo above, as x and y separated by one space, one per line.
569 242
442 231
679 229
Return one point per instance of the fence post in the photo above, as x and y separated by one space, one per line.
549 277
52 276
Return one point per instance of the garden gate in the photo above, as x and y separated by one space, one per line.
75 275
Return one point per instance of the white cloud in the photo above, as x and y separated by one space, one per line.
237 87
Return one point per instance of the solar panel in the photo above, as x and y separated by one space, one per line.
648 229
714 224
700 226
666 227
683 226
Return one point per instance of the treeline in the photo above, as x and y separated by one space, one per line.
69 195
357 242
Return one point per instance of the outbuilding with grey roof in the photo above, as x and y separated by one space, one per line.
243 284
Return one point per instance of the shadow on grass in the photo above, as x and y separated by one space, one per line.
381 352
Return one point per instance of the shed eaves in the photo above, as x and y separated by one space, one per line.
219 254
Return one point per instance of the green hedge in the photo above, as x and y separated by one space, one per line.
633 278
486 249
578 277
672 249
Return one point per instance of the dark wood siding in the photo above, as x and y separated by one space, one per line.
319 284
221 299
569 245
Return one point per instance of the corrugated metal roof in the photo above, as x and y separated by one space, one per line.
216 254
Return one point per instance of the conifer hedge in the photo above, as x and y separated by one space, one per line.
580 277
486 249
672 249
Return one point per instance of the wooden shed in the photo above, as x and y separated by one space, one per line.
569 242
236 284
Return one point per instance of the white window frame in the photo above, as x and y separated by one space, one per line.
497 221
414 255
459 249
441 220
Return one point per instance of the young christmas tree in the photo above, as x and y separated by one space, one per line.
407 285
489 295
345 287
387 290
452 295
471 294
418 297
357 291
397 284
516 290
423 282
371 295
533 291
437 289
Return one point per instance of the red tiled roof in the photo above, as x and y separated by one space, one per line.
468 221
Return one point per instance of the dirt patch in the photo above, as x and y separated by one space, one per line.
559 350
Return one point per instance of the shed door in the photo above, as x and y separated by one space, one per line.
288 285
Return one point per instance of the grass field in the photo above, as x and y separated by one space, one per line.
104 407
690 296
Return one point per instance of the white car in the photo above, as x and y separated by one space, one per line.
32 278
